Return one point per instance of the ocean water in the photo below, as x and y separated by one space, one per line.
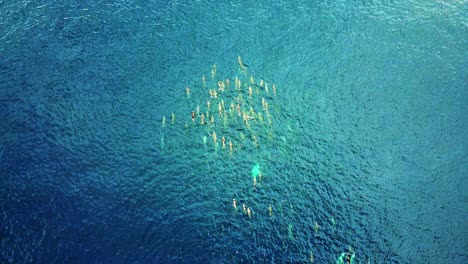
363 148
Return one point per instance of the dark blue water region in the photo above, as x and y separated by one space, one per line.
361 146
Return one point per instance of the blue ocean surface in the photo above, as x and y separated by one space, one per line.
233 131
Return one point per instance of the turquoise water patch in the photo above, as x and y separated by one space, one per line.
256 171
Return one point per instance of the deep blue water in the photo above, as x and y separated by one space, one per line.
368 133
